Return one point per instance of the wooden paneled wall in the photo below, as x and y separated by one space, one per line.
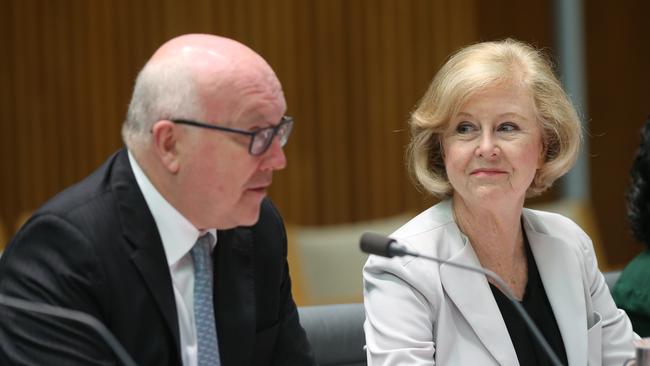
351 70
618 76
360 66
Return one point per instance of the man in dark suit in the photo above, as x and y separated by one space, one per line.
176 222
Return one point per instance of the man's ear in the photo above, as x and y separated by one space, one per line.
164 135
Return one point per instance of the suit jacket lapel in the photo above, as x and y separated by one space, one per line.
465 289
146 251
559 270
235 295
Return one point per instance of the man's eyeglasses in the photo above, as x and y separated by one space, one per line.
261 139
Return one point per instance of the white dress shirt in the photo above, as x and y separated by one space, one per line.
178 236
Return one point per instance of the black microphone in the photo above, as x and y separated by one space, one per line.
384 246
74 315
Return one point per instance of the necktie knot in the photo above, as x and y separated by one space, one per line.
201 254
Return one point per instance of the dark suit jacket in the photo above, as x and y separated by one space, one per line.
95 248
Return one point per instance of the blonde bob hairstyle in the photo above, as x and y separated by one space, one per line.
471 70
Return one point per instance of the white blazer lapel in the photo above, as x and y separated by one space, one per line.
471 294
560 271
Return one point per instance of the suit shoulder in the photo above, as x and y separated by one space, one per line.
434 218
433 232
549 222
88 205
82 193
559 226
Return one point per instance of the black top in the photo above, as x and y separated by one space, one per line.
529 352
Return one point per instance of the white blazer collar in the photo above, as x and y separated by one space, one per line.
471 294
560 271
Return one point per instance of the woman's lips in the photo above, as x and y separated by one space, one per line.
487 172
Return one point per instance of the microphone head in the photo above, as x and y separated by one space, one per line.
377 244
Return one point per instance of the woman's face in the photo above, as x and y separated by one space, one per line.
493 146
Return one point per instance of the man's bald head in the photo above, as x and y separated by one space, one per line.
204 47
191 76
209 176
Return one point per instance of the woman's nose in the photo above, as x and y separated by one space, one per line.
487 146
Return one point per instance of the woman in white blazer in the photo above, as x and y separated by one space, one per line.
494 127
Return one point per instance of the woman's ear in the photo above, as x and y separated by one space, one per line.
542 154
164 135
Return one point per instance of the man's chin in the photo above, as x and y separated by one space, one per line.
255 194
239 217
251 221
246 212
249 216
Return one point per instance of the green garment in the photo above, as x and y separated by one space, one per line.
632 293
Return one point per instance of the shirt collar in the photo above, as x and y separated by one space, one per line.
178 235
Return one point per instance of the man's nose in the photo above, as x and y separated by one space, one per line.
274 158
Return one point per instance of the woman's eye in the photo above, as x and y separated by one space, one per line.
464 127
507 127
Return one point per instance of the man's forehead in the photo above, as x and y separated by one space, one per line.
228 77
247 111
